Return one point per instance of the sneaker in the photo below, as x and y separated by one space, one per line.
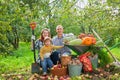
44 73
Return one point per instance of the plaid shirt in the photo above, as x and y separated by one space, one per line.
38 44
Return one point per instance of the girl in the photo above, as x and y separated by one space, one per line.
45 53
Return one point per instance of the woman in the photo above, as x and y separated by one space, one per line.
39 42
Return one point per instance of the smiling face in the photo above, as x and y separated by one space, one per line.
47 42
59 30
45 33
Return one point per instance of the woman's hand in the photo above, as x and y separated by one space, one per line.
42 59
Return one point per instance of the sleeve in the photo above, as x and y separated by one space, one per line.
56 47
41 53
53 40
36 44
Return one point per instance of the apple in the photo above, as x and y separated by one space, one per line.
61 78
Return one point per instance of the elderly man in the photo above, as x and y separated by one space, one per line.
58 41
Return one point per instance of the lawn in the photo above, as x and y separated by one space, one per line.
19 62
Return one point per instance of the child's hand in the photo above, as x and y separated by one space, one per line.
42 59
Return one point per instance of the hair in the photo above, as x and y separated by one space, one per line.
45 29
59 26
47 38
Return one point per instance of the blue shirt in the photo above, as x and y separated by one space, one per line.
59 42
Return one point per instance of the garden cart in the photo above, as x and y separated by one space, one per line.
78 49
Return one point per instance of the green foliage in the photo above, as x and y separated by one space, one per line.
104 20
116 53
75 19
114 3
5 46
103 56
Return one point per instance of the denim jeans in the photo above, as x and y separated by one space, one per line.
55 57
46 63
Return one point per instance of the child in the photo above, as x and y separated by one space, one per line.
45 53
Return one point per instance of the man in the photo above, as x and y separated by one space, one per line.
58 41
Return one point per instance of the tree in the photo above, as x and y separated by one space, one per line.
5 46
101 16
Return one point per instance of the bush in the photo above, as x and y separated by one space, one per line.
5 46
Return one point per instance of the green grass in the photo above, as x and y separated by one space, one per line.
19 61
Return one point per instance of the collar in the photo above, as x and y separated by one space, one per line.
61 37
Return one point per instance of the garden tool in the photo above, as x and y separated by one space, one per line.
117 63
35 65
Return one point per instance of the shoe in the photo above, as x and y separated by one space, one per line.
44 73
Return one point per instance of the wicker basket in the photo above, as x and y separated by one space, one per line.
59 71
65 60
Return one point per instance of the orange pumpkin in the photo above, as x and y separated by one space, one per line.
87 41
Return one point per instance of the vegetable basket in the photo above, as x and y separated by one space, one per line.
65 60
59 71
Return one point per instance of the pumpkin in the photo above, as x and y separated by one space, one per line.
87 41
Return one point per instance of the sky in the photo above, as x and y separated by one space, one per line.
82 3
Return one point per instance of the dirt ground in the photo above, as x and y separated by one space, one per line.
109 72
